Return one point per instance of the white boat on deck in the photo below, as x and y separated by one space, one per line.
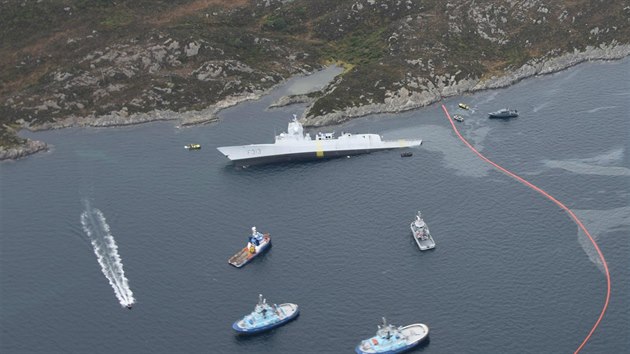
421 233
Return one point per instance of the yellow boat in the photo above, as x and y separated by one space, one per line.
193 146
463 106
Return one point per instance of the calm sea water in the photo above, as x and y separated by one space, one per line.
510 274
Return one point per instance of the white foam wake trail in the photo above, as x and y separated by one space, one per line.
106 250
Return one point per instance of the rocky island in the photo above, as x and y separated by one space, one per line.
73 63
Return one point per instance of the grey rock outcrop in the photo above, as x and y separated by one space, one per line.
29 148
554 64
292 99
405 99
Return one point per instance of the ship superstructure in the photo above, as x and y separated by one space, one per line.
295 145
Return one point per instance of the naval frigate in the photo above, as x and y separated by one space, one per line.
295 145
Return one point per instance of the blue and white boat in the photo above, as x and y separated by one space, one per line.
265 317
390 339
258 243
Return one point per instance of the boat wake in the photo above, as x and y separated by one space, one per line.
106 250
597 109
539 107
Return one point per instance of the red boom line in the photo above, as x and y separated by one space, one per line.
564 207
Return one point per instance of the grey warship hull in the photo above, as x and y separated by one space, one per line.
301 157
295 145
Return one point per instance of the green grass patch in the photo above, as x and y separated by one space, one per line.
117 18
359 48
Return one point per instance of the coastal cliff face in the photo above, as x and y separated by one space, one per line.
101 63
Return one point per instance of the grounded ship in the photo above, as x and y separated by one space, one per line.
295 145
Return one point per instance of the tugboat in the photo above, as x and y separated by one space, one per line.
421 233
192 146
458 118
265 317
257 244
504 113
406 154
464 106
391 339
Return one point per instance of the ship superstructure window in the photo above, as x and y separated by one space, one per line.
325 136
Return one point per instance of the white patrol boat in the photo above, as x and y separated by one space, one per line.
421 233
295 145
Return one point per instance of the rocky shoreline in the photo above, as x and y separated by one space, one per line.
404 100
29 148
395 101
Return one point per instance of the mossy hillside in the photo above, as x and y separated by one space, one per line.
371 80
255 44
358 48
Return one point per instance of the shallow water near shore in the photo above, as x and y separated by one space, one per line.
510 273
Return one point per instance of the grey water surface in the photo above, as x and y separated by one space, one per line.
510 273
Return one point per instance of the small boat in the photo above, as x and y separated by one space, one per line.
391 339
406 154
266 317
192 146
458 118
257 244
504 113
421 233
463 106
